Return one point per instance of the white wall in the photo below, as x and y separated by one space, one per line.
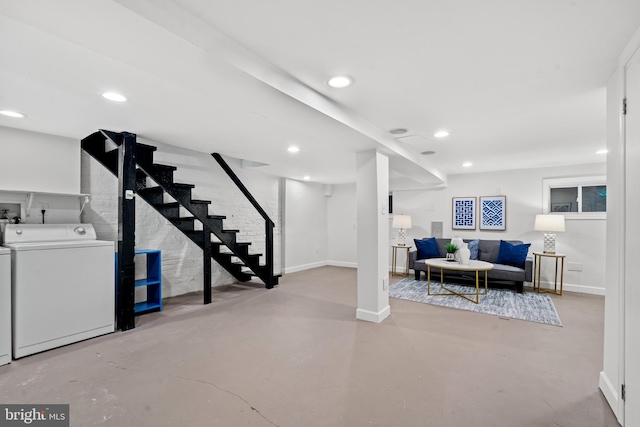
583 242
33 161
342 226
305 226
181 258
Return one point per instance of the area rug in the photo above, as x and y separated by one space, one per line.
529 306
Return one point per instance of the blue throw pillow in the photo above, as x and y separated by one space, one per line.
427 248
473 246
514 255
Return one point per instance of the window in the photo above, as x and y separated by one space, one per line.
576 198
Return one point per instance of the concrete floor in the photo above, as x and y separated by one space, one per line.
296 356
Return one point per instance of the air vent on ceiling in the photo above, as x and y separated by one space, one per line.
398 131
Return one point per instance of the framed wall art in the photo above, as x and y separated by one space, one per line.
464 213
493 213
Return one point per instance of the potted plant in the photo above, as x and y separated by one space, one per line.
451 250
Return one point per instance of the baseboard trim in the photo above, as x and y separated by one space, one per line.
342 264
575 288
400 270
371 316
303 267
610 392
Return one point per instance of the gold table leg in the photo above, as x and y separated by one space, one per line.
453 293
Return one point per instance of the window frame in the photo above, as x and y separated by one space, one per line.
570 182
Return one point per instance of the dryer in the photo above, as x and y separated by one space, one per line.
5 306
62 284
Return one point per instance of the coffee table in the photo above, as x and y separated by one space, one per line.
473 265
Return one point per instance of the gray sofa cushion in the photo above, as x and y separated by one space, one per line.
505 272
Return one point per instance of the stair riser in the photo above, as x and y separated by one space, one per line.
153 197
109 160
168 212
94 144
162 176
198 239
197 209
183 224
144 157
141 184
181 194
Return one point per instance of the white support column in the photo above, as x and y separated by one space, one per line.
372 195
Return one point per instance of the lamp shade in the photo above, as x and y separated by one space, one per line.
549 223
401 221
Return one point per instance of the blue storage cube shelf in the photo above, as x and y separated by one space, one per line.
152 281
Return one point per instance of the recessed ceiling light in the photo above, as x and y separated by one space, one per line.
605 151
339 82
293 149
428 153
14 114
112 96
467 164
441 134
398 131
307 178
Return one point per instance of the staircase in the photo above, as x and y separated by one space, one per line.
232 255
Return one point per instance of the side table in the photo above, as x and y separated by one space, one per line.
394 259
537 264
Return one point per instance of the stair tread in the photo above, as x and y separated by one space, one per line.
166 167
237 244
230 231
174 204
146 146
189 218
178 185
248 255
182 185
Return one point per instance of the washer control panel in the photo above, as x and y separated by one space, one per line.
27 233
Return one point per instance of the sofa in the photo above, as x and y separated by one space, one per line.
488 250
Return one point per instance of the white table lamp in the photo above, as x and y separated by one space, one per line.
549 224
402 222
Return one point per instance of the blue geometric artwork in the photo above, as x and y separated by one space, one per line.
493 213
464 213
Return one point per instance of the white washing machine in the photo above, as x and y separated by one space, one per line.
5 306
62 283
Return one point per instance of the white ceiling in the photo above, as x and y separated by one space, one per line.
517 83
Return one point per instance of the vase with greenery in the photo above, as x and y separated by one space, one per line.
451 251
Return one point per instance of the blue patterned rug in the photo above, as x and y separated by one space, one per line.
529 306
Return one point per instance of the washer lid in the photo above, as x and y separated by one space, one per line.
4 251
